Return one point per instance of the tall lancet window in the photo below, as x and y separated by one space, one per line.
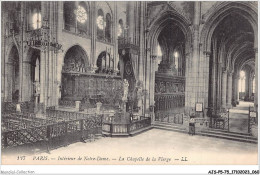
34 16
176 59
120 29
76 17
37 71
159 51
108 27
100 24
82 18
242 82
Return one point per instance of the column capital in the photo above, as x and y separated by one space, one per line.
224 70
252 76
207 53
230 73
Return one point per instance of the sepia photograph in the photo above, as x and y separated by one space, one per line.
129 83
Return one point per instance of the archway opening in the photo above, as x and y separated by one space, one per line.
232 48
75 62
13 76
170 73
34 80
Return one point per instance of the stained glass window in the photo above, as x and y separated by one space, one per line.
100 22
120 28
81 14
36 20
242 82
100 25
34 17
108 27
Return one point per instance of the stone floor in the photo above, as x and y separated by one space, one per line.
238 117
172 147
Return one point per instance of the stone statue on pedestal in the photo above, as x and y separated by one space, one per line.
140 98
126 85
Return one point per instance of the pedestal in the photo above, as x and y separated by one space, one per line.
18 108
99 104
77 104
36 104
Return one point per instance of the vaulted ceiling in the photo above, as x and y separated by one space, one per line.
235 41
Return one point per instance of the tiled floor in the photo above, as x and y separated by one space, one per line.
153 143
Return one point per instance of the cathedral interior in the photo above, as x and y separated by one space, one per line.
73 70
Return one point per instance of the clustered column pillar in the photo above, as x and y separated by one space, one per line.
229 90
256 80
224 89
250 86
235 89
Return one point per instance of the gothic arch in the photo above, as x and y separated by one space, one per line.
12 71
222 9
82 50
162 20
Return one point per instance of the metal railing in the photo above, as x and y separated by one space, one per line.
252 118
220 121
168 116
59 128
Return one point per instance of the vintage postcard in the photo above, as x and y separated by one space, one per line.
129 83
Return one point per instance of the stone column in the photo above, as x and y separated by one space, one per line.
115 26
247 84
235 89
207 104
130 19
93 33
237 92
152 79
224 89
229 90
256 81
192 88
250 85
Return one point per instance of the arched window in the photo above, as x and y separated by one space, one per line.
120 29
103 62
69 16
76 17
242 82
37 70
108 27
34 17
176 56
159 51
82 17
100 24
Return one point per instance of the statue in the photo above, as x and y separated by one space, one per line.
140 97
126 84
37 88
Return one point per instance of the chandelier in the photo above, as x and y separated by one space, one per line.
41 39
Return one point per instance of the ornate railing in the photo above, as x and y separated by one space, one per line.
124 128
53 135
26 107
67 103
252 118
220 121
136 125
14 121
170 117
